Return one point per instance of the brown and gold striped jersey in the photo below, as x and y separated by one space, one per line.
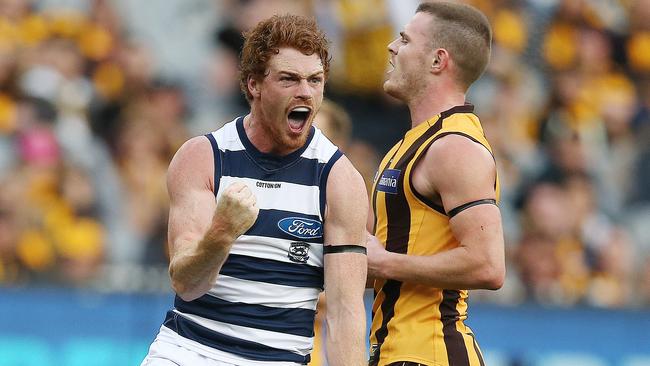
415 322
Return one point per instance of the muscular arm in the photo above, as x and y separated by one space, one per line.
200 233
345 273
456 171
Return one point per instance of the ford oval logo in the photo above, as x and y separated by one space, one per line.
301 228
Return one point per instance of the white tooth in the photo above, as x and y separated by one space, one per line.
300 109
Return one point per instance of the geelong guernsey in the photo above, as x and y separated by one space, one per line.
261 307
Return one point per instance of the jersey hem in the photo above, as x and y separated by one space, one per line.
423 361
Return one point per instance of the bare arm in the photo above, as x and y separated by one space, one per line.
463 172
345 273
200 231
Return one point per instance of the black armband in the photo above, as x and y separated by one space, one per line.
329 249
455 211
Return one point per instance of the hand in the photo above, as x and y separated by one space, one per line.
377 256
236 209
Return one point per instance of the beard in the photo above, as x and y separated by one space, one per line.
395 88
288 141
405 86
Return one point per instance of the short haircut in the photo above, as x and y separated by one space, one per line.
465 33
268 36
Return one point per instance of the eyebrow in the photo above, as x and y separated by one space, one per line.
295 74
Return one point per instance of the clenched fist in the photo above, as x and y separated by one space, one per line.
236 209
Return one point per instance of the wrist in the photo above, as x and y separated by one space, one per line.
220 234
386 264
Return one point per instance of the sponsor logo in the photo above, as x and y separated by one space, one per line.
268 185
301 228
389 180
298 252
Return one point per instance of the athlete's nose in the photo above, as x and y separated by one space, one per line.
392 47
304 91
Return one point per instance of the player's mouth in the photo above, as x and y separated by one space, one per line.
390 67
298 117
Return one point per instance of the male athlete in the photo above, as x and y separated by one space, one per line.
437 229
265 212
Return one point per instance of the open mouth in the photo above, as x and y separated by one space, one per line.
390 67
298 117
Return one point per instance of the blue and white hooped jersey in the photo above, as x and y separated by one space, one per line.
261 308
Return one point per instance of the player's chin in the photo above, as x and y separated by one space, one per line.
392 90
389 86
295 141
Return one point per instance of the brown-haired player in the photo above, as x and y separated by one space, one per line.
437 228
265 213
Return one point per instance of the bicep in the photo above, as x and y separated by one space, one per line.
192 201
455 171
347 206
345 224
466 174
479 229
370 222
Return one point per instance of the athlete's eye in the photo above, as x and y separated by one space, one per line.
316 80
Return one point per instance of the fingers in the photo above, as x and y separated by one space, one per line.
240 192
238 189
237 208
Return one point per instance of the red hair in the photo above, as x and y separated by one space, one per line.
266 39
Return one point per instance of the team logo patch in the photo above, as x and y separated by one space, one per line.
388 181
299 252
301 228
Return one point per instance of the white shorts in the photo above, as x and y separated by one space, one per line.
170 349
162 353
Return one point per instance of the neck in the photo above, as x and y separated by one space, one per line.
433 102
254 128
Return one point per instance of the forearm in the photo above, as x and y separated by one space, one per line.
346 332
194 268
456 268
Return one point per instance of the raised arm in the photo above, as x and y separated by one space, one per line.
201 231
345 271
455 171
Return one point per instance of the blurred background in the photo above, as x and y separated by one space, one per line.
97 95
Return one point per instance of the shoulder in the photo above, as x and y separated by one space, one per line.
456 157
192 163
345 184
343 170
459 147
191 150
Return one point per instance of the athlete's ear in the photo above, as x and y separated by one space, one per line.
253 86
440 60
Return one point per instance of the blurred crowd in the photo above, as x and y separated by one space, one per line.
97 95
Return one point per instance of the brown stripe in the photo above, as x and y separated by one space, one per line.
398 210
391 291
454 342
477 350
398 227
465 108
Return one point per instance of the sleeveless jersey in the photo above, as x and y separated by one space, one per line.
415 322
261 307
